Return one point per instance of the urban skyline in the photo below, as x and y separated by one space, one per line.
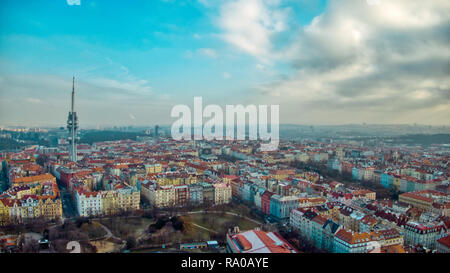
224 126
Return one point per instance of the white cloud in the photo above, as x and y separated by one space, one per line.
73 2
226 75
359 62
250 25
208 52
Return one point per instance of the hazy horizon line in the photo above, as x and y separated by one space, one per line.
111 126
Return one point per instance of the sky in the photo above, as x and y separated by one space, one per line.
324 62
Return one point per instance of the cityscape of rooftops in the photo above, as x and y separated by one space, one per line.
231 126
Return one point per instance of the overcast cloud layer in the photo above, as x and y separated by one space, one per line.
359 61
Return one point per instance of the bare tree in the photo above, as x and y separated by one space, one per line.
31 245
131 242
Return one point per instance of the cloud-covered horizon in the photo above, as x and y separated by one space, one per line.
355 62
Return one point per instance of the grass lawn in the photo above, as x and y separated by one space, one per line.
106 246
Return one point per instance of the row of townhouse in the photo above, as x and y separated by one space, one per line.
391 180
29 198
184 195
403 180
363 173
29 207
96 203
417 173
325 233
153 168
428 200
270 196
176 179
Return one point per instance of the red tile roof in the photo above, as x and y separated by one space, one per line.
445 241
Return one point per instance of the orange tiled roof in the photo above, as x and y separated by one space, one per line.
243 242
270 243
417 196
356 237
35 178
393 249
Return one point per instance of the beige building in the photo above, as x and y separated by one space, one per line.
416 200
153 168
222 193
159 196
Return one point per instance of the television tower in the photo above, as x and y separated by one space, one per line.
72 126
